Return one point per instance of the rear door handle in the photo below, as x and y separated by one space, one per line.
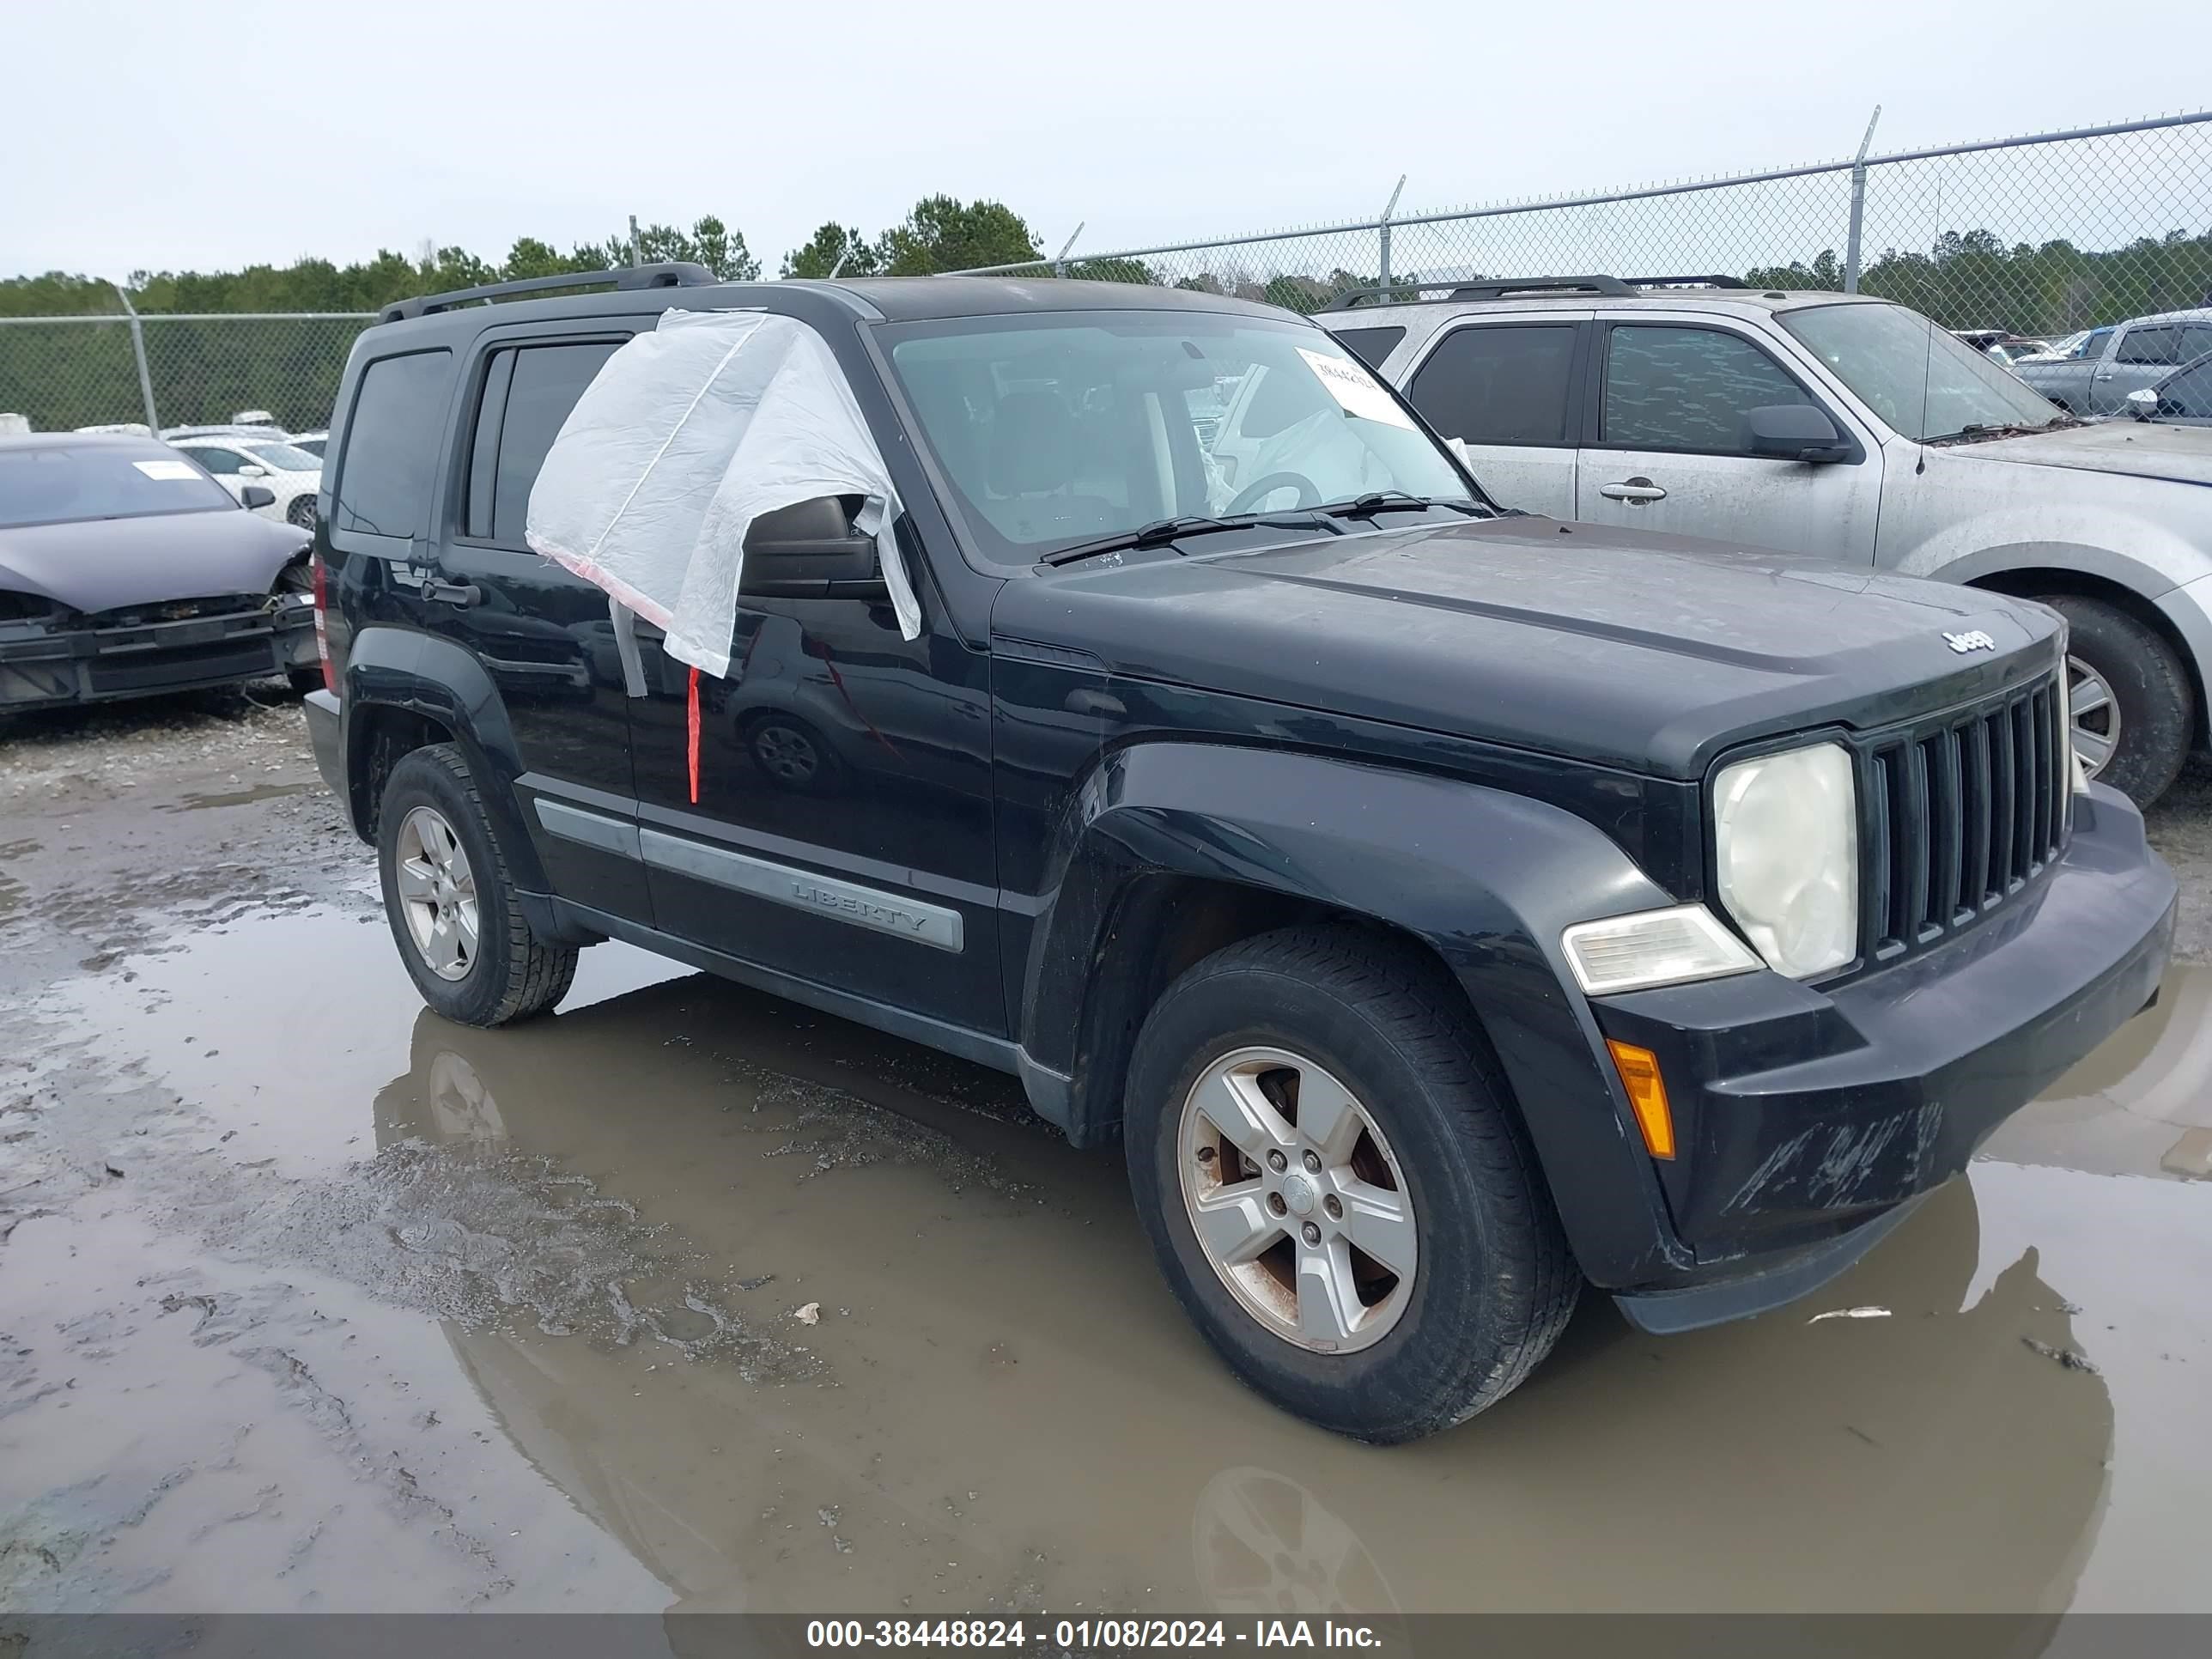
1635 491
452 593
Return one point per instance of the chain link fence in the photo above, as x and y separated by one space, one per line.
2038 237
63 373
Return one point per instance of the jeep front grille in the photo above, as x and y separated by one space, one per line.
1963 812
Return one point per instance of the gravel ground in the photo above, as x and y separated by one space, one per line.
687 1298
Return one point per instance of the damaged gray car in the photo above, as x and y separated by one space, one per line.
126 571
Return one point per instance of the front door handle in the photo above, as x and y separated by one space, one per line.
1635 491
452 593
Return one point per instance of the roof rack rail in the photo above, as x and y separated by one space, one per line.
1687 282
1480 288
680 273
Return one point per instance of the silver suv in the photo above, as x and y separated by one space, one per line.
1838 426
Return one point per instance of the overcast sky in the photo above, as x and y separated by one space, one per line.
159 137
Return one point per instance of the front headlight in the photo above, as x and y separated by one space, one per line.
1786 831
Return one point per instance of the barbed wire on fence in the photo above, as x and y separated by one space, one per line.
2041 236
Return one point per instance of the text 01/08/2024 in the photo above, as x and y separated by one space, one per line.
1087 1635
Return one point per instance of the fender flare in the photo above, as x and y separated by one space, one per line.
404 668
1485 879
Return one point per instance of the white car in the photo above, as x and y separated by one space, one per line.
292 474
312 442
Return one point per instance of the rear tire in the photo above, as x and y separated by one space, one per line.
451 902
304 680
1490 1283
2150 690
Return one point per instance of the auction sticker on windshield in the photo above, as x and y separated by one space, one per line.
168 472
1351 385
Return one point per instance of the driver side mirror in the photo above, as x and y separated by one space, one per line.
255 495
1795 432
251 470
809 551
2142 403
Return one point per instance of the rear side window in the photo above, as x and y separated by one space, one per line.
1370 345
2148 345
390 447
528 392
1499 385
1686 389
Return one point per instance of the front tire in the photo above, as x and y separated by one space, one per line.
1337 1188
451 902
2134 708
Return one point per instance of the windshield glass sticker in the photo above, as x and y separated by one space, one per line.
1351 385
168 472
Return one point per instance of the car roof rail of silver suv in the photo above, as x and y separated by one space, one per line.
675 273
1484 288
1480 288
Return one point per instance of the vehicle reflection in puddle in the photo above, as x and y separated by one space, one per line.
1013 1413
2141 1105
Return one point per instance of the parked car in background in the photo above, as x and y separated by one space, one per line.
2004 346
291 475
1843 427
2105 364
312 442
2182 398
126 571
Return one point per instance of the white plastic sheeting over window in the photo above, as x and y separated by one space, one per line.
686 436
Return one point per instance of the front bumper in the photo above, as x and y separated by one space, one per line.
1805 1118
44 666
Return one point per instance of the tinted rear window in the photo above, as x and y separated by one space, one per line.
1499 386
528 393
61 484
1370 345
390 447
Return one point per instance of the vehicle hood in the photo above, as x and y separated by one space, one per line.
103 564
2141 449
1645 652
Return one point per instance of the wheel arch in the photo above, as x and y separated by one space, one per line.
2035 581
1175 849
404 690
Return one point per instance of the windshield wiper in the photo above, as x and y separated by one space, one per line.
1400 501
1161 532
1980 432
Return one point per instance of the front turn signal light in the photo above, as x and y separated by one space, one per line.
1647 1095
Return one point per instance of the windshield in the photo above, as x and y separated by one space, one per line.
1069 426
286 458
1916 377
61 484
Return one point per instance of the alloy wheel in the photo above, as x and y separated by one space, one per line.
437 893
1298 1202
2096 734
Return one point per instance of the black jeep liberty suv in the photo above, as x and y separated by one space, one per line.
1443 907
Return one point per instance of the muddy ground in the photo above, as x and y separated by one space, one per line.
688 1299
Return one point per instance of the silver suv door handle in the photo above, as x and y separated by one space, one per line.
1635 491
